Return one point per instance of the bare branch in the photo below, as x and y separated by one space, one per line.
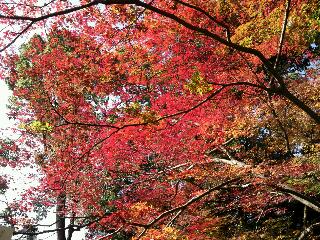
233 162
308 230
298 196
16 37
174 218
305 200
284 26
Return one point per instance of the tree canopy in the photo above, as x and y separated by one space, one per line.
167 119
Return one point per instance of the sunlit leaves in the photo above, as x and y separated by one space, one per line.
38 127
197 84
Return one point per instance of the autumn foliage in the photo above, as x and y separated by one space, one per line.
169 119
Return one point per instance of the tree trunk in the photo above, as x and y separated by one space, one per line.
60 217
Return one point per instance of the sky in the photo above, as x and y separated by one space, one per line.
4 95
21 182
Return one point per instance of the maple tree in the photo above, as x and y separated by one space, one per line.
168 119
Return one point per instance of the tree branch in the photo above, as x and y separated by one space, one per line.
280 124
307 201
70 226
281 90
233 162
270 68
16 37
300 104
181 207
54 14
308 230
219 23
174 218
284 26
